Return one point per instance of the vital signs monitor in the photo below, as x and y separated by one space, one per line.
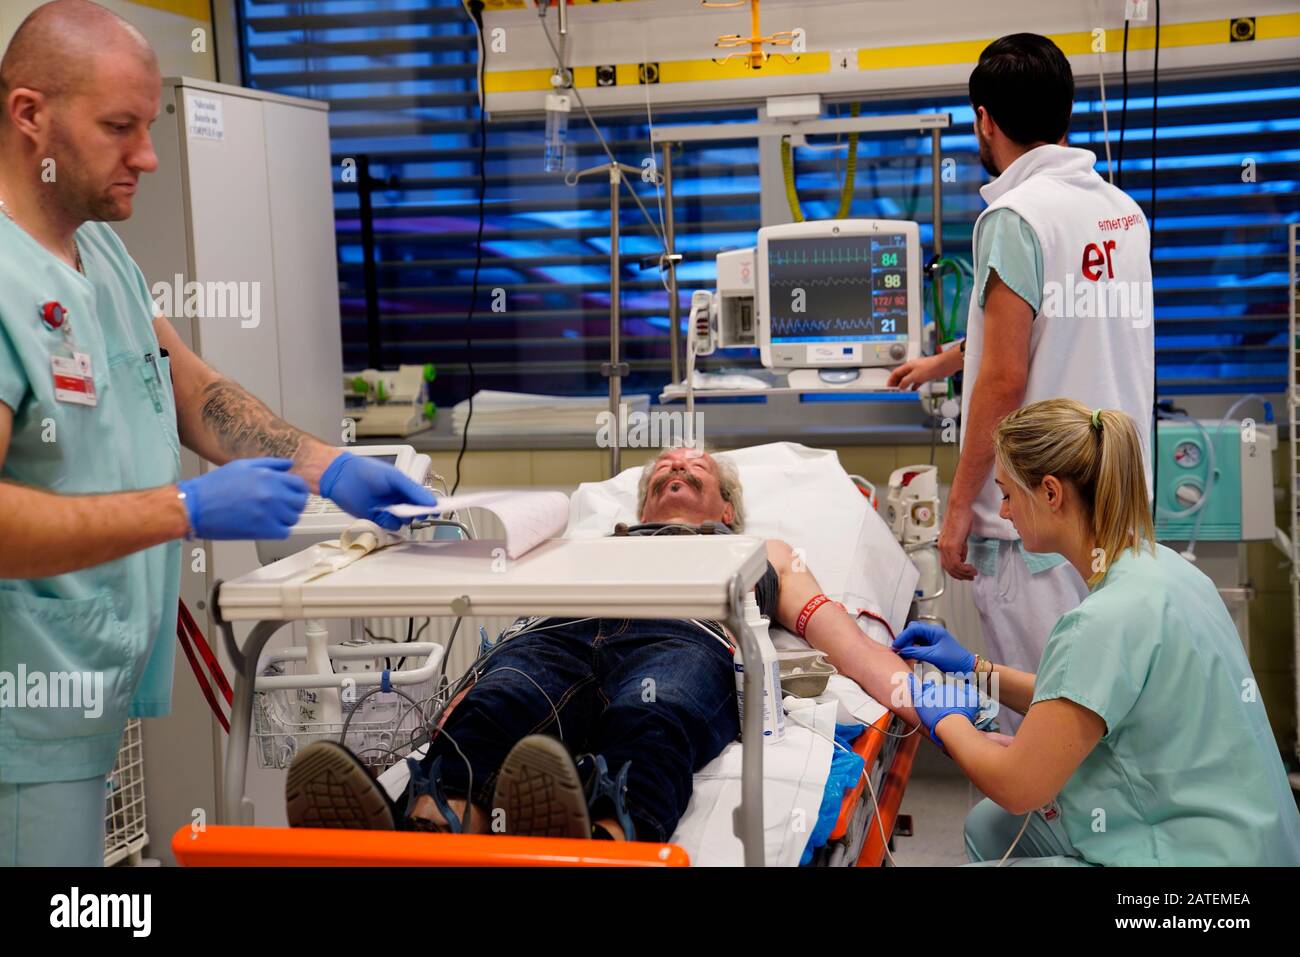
839 296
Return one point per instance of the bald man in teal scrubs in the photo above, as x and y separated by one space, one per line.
97 394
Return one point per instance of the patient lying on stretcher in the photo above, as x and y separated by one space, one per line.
594 727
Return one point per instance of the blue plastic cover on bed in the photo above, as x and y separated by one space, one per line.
846 768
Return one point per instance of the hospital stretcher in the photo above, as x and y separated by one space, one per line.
699 577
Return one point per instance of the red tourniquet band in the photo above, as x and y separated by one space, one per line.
801 623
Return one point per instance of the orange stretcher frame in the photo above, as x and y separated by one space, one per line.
868 746
891 798
230 846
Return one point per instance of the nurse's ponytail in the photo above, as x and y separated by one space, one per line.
1099 453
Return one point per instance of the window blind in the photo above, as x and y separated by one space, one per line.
400 79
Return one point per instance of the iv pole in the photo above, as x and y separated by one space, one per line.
615 369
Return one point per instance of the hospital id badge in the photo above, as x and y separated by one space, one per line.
73 380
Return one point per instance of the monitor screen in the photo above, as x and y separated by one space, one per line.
838 289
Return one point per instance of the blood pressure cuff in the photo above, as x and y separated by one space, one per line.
767 591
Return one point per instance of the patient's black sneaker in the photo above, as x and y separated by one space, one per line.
539 792
329 786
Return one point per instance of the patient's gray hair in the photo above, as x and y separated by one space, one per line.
728 485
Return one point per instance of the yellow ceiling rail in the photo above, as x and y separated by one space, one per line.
1197 33
194 9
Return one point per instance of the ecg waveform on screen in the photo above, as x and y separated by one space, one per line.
820 327
819 257
800 282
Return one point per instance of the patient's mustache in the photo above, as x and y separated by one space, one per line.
678 475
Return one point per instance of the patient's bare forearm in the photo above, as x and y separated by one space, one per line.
234 424
43 534
880 672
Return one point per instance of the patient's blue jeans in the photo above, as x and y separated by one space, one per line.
660 694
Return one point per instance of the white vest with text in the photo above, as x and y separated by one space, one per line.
1093 339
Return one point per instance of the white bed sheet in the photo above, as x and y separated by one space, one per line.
794 779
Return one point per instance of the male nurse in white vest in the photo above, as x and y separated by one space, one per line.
96 395
1062 307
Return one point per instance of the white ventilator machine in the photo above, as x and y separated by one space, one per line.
833 305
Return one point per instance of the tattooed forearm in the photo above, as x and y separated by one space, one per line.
244 427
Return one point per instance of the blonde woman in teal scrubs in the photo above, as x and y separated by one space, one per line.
1144 740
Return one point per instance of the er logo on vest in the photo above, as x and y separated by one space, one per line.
1094 257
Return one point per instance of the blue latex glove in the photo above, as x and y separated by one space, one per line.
245 499
934 700
923 641
363 486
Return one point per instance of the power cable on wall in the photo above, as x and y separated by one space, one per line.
475 9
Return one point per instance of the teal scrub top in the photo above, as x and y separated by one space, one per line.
1188 772
117 619
1009 247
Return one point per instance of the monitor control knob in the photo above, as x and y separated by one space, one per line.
897 351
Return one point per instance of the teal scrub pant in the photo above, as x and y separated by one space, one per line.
54 824
990 831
